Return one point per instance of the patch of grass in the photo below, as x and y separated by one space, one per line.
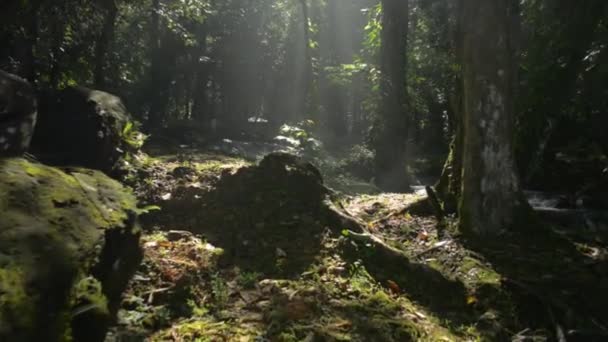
248 280
475 272
220 291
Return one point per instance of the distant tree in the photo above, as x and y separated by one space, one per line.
390 131
562 36
103 44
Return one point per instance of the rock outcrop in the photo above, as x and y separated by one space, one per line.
69 243
82 127
17 114
260 215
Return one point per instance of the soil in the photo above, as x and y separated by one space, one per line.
297 278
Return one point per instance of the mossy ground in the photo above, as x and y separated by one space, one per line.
521 287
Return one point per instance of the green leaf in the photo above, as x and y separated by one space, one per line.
128 128
148 209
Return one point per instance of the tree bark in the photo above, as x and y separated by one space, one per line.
29 70
491 195
390 136
449 184
57 30
307 73
104 41
159 76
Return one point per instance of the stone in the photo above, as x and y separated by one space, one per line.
17 114
81 127
69 243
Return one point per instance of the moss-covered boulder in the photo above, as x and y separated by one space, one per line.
82 127
17 114
269 217
69 243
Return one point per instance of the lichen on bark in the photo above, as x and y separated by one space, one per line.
491 194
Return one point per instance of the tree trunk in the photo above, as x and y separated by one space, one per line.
104 41
307 76
158 74
391 130
57 30
308 70
335 46
491 197
449 184
28 69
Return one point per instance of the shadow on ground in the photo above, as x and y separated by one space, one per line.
554 282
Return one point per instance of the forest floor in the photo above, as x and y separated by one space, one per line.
526 287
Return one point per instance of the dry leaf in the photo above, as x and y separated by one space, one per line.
393 286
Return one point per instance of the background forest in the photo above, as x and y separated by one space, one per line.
217 67
303 170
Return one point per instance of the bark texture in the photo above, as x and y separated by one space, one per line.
104 41
391 130
491 196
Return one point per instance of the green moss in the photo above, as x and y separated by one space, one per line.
436 265
88 294
478 273
16 307
52 231
382 300
48 191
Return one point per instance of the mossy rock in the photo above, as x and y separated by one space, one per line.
78 126
268 217
69 243
17 114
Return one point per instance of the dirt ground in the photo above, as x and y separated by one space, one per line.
538 285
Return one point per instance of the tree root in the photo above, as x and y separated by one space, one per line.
390 265
356 230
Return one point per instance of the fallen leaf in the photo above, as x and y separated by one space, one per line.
151 244
298 309
393 287
419 314
442 243
423 235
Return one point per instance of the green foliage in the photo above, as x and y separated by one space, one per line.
197 310
148 209
88 296
359 162
344 74
373 29
301 135
132 136
219 290
248 280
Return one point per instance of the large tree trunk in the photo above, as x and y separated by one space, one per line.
491 196
449 184
390 136
57 30
31 29
104 41
307 77
160 76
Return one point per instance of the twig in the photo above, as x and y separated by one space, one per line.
434 248
438 210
